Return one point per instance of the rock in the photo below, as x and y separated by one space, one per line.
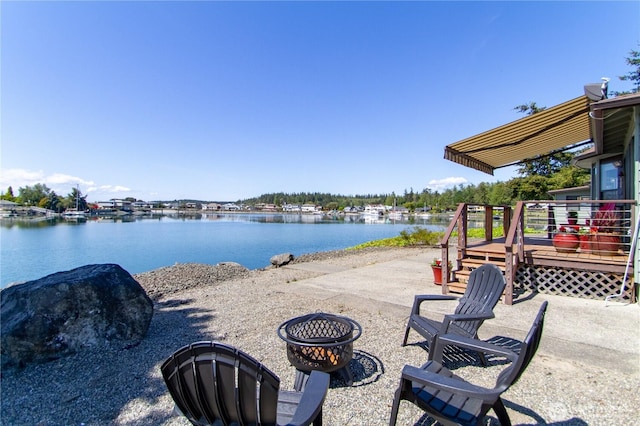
281 259
64 312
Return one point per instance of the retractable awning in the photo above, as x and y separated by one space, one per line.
546 131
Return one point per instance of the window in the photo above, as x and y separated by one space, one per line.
610 183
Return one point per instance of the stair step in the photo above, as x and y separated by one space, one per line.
474 263
462 275
483 254
469 264
457 287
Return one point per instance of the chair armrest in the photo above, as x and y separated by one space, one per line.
418 299
312 398
448 384
469 343
448 319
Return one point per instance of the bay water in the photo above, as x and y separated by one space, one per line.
31 250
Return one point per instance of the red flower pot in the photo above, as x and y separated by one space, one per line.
605 244
566 243
437 274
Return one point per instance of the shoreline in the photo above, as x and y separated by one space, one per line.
122 385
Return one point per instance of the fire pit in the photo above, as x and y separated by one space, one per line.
320 341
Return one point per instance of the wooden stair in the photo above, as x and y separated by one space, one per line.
470 259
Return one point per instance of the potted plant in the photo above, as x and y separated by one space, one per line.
584 235
566 239
605 239
436 267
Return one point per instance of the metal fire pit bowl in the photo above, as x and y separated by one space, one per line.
319 341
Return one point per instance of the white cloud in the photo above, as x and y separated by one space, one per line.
446 183
62 179
20 177
60 183
114 188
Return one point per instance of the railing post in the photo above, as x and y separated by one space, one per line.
551 222
488 223
520 234
445 268
462 228
508 276
511 262
459 219
506 220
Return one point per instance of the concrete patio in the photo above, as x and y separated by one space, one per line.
588 331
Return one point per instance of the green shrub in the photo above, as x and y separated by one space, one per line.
407 238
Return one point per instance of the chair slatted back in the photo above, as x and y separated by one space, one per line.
211 381
484 289
529 346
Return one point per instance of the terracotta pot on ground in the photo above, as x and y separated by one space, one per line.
605 244
566 243
437 274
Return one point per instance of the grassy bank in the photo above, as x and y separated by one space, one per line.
419 236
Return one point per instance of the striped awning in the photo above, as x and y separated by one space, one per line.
546 131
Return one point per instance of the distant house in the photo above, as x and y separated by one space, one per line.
269 207
476 209
103 205
230 207
310 208
115 204
7 208
140 205
575 193
292 208
211 206
6 204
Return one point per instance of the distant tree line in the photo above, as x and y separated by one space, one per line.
39 195
533 183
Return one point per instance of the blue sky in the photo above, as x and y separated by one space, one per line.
229 100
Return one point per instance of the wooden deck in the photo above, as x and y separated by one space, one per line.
530 262
547 270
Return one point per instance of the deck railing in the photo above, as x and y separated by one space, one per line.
539 222
587 218
486 215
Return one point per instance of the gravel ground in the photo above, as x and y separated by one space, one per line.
121 385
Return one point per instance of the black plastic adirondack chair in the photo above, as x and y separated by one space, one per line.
452 400
484 289
211 382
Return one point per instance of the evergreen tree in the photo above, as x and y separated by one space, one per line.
633 76
31 195
8 195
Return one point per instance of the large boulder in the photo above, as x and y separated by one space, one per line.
67 311
281 259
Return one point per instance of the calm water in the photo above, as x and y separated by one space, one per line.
33 250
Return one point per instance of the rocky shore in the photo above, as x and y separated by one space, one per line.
184 276
121 384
